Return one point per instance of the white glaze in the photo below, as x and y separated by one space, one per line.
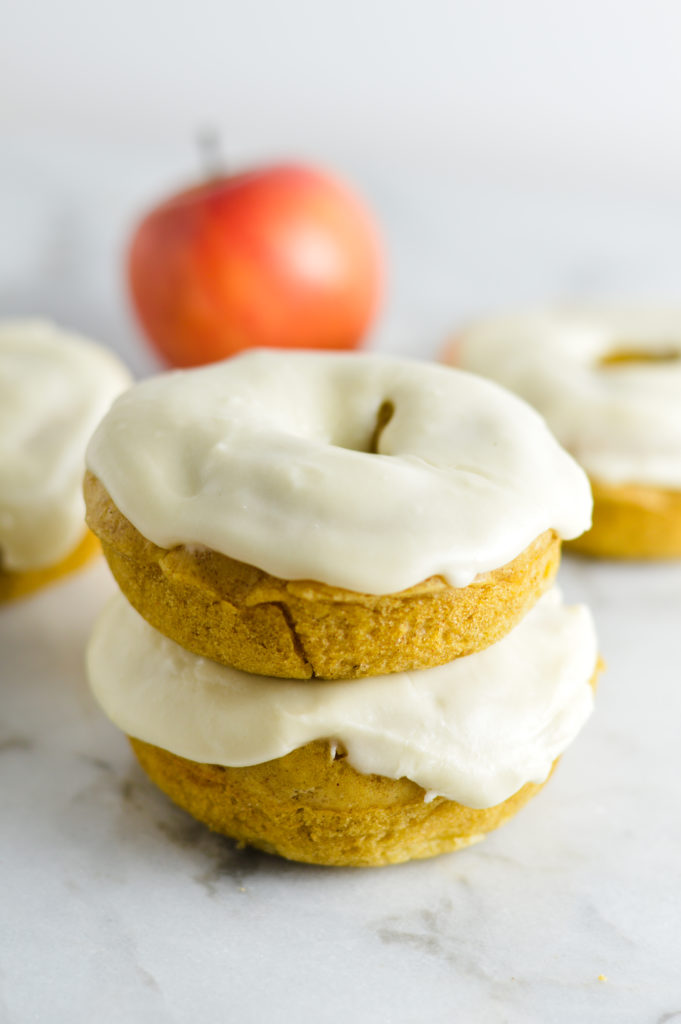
621 422
264 458
54 388
475 730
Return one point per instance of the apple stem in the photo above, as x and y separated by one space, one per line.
210 152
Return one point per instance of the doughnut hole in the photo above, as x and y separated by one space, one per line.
626 355
385 413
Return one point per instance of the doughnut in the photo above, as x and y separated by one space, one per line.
632 521
241 616
334 516
359 772
608 382
14 585
54 387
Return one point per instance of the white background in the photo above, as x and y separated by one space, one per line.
513 152
587 92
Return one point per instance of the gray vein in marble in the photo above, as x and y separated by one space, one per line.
97 762
220 860
12 744
233 864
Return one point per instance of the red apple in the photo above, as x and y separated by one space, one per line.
280 256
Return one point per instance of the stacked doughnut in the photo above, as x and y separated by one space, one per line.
608 382
337 638
54 388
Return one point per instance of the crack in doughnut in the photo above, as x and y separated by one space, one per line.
296 641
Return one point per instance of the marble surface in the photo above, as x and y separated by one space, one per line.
118 907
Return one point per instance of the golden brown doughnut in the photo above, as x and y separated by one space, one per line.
314 807
608 382
238 615
14 585
632 521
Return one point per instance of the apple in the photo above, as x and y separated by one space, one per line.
279 256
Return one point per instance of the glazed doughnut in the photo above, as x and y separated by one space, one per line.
361 772
54 387
608 383
14 585
323 515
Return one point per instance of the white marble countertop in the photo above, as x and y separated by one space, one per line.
117 907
